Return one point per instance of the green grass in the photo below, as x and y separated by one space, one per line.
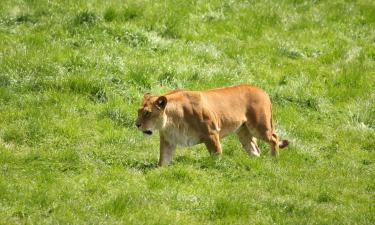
72 74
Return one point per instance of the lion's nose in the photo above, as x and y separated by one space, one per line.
138 125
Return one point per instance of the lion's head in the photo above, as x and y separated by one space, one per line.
151 114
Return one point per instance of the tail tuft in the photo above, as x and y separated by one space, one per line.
284 143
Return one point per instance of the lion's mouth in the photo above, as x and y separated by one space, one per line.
147 132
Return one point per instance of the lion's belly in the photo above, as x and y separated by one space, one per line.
181 137
229 130
230 126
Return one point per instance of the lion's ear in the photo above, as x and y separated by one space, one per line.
161 102
147 95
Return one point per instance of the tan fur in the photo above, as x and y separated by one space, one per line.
188 118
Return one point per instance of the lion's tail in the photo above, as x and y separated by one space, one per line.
283 143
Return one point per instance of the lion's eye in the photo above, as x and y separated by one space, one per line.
147 114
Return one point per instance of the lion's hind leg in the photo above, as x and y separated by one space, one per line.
249 143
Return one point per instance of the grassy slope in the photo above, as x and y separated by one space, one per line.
72 74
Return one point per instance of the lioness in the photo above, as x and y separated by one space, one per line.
188 118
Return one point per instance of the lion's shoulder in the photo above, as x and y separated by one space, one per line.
174 92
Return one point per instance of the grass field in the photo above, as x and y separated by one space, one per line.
72 74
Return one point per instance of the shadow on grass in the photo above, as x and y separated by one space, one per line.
144 167
185 160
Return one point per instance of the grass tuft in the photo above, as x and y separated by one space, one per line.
110 14
86 18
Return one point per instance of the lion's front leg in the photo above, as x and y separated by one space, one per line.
213 144
166 151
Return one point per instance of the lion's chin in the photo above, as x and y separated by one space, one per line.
147 133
